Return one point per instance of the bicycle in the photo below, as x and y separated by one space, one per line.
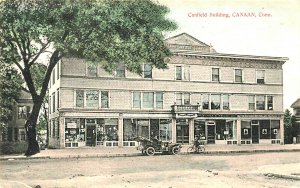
196 148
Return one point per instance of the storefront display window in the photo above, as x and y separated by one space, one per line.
165 130
129 130
220 129
154 128
275 129
246 130
265 129
143 128
231 130
199 129
72 132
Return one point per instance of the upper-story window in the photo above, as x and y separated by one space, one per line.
225 102
260 76
146 100
53 102
238 75
251 102
159 100
23 112
215 74
215 102
120 71
92 98
58 95
183 98
260 102
136 99
57 70
269 103
91 70
53 76
104 99
147 70
205 102
178 73
79 98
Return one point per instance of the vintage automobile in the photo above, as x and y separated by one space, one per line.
150 147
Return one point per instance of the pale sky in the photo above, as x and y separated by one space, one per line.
276 34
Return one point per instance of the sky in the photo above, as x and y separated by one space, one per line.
273 31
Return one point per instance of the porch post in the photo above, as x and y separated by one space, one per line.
120 130
174 130
281 130
238 129
191 131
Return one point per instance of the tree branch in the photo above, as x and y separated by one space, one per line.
38 54
25 60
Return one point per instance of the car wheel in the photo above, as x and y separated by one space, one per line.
150 151
175 150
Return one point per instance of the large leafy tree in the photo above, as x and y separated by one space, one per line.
290 129
101 31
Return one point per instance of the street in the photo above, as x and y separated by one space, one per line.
196 170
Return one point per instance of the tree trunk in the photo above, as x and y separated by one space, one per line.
30 127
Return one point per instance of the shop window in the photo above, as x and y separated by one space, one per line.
251 102
265 132
165 129
199 130
205 102
143 128
129 130
260 102
269 102
225 102
238 75
120 71
220 129
79 98
245 130
275 129
72 133
91 70
260 76
106 130
147 70
230 132
215 74
178 73
148 100
159 100
154 128
104 99
136 99
215 102
91 97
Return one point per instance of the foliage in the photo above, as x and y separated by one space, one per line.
10 87
13 147
99 31
290 128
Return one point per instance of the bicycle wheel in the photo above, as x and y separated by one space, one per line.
201 149
190 150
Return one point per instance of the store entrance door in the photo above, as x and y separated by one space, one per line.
255 134
91 135
182 131
211 133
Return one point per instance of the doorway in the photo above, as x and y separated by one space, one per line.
91 135
182 131
211 132
255 134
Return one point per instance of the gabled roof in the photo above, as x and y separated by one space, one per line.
185 39
296 104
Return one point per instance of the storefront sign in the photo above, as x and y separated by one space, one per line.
71 125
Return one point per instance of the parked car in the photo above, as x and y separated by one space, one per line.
150 147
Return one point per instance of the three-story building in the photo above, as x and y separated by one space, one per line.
221 98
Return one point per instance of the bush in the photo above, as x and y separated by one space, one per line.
13 147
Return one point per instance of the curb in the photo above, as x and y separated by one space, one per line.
139 154
291 177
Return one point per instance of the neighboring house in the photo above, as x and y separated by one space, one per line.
296 112
16 127
222 98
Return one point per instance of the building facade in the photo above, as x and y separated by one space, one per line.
15 130
220 98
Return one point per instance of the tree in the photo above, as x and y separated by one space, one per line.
99 31
10 88
290 129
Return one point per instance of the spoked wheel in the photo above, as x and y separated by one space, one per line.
175 150
190 150
150 151
201 149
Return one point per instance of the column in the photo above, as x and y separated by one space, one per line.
191 131
238 129
120 130
61 134
281 131
173 130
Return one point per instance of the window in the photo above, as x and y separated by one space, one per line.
246 130
205 102
120 72
53 102
178 98
147 71
23 112
57 93
148 98
260 76
225 102
269 103
57 70
251 103
53 76
265 132
91 98
215 102
275 129
186 98
215 74
91 70
104 99
159 99
178 72
79 98
260 102
136 99
238 75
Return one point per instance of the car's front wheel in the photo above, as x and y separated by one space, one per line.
150 151
175 150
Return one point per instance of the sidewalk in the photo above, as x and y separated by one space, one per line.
93 152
